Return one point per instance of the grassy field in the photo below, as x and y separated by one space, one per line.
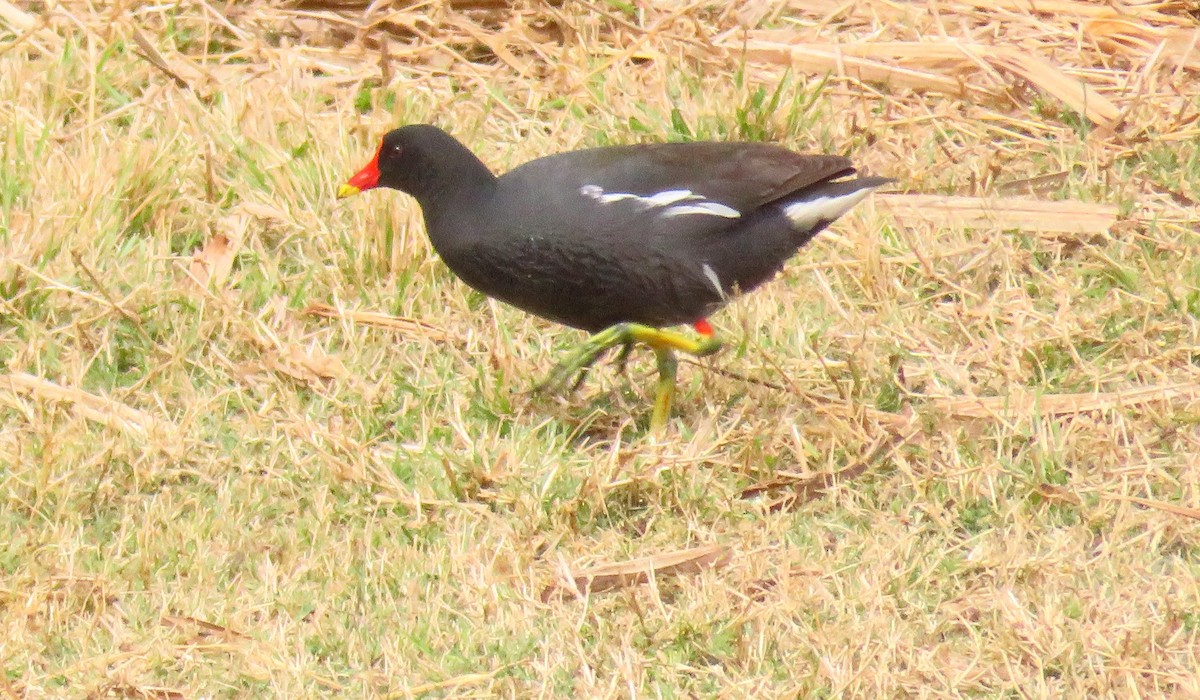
257 442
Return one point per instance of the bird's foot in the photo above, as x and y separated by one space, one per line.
574 369
665 343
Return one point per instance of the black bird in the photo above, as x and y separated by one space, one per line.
618 241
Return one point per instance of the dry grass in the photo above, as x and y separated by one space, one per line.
258 443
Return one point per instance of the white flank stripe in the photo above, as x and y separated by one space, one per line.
597 193
616 197
663 199
670 197
805 215
710 208
655 200
711 274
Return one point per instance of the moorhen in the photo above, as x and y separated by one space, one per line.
621 240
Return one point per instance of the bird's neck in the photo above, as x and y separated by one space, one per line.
455 179
453 195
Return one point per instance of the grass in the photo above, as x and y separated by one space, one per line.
941 461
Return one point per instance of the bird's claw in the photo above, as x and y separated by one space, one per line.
623 357
575 367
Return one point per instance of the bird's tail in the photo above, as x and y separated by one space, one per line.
814 208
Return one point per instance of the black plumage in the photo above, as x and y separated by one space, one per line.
601 236
619 241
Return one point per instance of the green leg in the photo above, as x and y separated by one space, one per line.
664 343
664 392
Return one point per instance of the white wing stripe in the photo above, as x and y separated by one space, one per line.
666 198
710 208
670 197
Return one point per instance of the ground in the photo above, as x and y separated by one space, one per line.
258 442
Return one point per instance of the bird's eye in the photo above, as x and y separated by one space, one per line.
397 149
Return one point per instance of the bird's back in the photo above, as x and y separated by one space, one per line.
655 234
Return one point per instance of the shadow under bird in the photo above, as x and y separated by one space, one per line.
619 241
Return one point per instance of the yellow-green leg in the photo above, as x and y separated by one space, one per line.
664 343
664 391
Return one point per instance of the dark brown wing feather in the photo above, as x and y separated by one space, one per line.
547 242
742 175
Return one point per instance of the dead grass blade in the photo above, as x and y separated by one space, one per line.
800 489
1034 186
1181 46
1073 92
212 264
455 682
634 572
1058 494
139 692
949 67
1083 218
105 411
1071 8
845 60
759 589
310 366
378 320
1192 513
495 43
203 628
107 295
15 17
11 692
1022 402
24 23
156 59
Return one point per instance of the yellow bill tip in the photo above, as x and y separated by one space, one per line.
347 190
